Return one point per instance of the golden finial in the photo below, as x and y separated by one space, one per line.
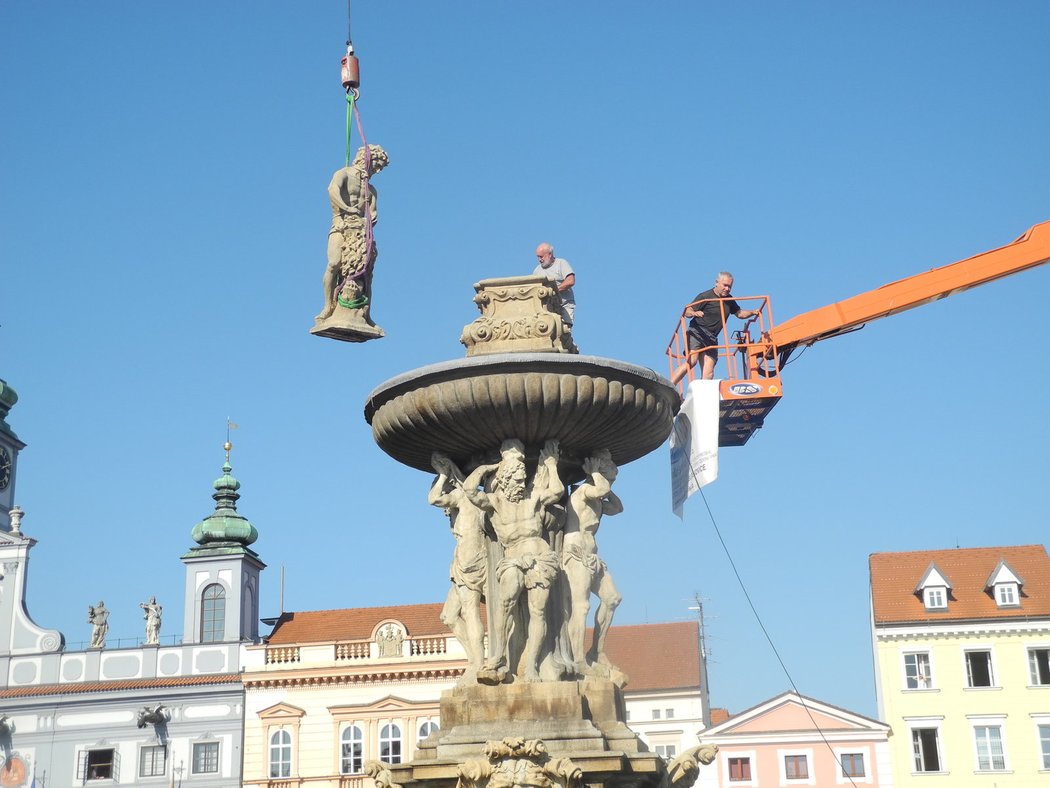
230 425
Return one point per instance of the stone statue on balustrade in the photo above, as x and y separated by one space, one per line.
469 569
352 251
586 572
517 506
151 611
98 617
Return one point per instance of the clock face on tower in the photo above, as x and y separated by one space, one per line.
5 468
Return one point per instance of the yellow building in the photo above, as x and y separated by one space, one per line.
332 689
961 643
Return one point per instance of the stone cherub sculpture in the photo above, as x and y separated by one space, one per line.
529 563
152 613
352 252
98 617
469 569
586 572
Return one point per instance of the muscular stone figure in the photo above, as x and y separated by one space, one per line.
348 277
586 572
469 569
529 563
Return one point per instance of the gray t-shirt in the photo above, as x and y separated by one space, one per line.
556 272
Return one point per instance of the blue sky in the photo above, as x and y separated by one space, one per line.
163 221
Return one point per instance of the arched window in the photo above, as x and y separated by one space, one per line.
353 751
213 614
390 744
281 754
426 729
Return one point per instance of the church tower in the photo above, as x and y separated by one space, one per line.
19 634
222 572
10 445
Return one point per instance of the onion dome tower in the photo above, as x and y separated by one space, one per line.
222 571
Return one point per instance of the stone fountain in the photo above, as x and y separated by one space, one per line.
526 436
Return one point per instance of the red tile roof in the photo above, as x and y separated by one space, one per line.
894 577
326 626
654 656
77 688
719 715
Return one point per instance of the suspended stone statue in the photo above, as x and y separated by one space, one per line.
352 252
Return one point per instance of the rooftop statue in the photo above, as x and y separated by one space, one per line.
352 251
98 617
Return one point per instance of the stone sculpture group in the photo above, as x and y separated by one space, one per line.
536 557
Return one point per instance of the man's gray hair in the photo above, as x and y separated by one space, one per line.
724 273
546 247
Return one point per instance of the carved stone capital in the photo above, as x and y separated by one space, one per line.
380 773
515 762
683 770
519 314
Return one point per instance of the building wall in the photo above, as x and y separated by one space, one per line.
954 709
53 733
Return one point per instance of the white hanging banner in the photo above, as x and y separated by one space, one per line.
694 442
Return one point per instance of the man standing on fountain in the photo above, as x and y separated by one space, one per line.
529 563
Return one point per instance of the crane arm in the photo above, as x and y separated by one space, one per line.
1030 250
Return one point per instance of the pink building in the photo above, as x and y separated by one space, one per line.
792 740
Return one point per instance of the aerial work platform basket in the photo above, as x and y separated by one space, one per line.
747 357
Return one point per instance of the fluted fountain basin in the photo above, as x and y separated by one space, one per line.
467 407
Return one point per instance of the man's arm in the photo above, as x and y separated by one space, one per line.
555 487
470 485
566 283
744 314
612 504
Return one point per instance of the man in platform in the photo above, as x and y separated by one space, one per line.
708 315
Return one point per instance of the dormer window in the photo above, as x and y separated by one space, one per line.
1005 585
934 588
935 597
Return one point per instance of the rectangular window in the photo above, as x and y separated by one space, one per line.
656 714
1039 666
739 769
99 764
666 751
979 669
1044 744
917 671
935 598
796 767
852 764
206 757
669 714
924 748
151 761
990 756
1006 594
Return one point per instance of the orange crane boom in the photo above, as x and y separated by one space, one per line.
1030 250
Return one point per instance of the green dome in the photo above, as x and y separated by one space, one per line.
8 398
225 526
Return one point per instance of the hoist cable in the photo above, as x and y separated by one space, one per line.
758 618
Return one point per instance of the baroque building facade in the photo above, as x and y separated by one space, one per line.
150 714
331 690
961 643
